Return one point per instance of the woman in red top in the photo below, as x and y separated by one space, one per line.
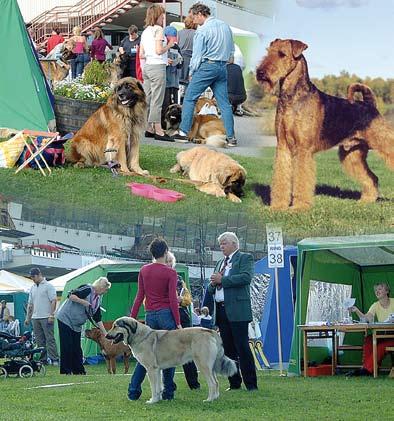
99 44
157 285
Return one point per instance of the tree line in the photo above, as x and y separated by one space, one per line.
333 85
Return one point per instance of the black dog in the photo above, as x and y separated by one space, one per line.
172 118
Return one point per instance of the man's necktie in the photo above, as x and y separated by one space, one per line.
223 270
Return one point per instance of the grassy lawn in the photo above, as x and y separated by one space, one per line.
100 396
93 194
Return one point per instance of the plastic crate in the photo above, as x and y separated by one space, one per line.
320 370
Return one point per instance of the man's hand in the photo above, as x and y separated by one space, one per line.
216 278
51 319
27 322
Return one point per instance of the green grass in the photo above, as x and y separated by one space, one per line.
93 194
104 398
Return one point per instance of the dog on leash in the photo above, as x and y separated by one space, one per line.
117 125
157 350
309 121
109 350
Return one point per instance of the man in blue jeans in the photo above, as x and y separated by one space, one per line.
213 47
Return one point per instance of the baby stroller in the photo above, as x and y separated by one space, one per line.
18 354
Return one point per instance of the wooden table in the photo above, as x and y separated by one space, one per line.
317 332
379 331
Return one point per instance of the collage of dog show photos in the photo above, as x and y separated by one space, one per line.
176 165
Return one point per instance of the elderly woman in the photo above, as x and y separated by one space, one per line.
381 310
153 50
81 305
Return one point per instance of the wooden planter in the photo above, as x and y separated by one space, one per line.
71 114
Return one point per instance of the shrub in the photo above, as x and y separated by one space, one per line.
96 73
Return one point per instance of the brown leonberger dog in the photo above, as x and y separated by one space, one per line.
116 127
207 129
212 172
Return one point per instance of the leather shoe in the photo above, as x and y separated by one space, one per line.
164 138
149 134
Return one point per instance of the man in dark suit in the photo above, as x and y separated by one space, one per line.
230 288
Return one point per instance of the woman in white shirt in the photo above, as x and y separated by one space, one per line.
153 53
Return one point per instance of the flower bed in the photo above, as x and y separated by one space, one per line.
77 100
77 89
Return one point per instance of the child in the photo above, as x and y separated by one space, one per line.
206 319
172 74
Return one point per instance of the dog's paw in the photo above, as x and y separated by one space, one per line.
279 207
143 172
176 168
300 207
152 401
233 198
79 165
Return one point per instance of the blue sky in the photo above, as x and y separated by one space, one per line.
352 35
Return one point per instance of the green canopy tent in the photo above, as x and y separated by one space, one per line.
340 267
119 299
24 96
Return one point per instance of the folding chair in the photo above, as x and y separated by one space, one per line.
31 134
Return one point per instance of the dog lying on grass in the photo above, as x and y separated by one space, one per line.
110 350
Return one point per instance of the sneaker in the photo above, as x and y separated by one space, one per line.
231 141
149 134
180 137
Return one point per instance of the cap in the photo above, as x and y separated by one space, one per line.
35 272
170 31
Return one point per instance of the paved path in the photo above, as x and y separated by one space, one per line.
247 130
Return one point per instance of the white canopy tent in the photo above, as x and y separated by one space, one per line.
61 281
9 282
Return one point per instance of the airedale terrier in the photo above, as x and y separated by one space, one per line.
309 121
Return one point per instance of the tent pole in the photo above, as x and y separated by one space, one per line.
278 322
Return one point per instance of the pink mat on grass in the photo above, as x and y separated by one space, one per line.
152 192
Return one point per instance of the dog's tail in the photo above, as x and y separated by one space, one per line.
364 90
216 140
223 365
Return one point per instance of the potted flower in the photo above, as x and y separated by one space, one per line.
78 99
